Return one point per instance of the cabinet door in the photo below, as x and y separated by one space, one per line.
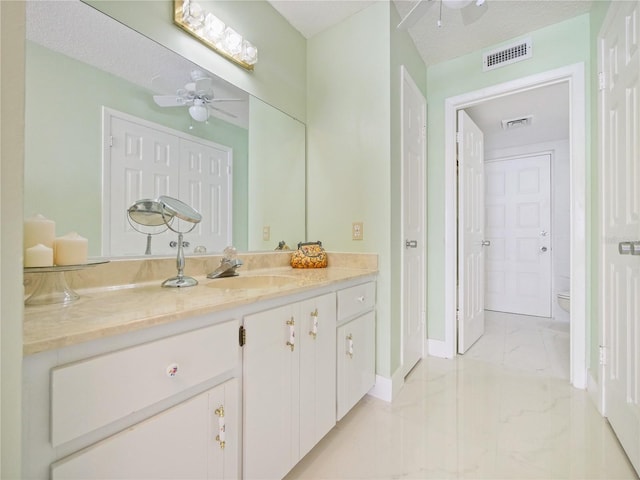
317 319
177 443
356 361
271 393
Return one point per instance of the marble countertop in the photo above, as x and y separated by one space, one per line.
105 311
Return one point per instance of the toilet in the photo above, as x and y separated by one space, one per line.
564 300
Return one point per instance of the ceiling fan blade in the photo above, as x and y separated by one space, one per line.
222 111
226 100
169 100
203 85
473 12
415 14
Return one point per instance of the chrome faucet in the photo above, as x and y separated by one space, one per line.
228 265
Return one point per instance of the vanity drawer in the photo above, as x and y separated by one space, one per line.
92 393
355 300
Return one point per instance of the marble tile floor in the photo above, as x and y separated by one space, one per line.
504 410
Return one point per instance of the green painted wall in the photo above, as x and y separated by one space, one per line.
555 46
63 135
348 146
353 150
276 177
279 77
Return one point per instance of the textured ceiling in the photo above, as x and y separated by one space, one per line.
503 20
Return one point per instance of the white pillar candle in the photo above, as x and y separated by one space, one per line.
70 249
39 230
38 256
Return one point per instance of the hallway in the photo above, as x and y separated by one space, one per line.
505 410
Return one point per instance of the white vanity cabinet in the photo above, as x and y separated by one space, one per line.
355 345
289 387
164 408
197 439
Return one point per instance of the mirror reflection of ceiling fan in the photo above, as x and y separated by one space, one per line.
198 96
470 10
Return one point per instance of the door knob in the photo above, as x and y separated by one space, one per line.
543 249
624 248
411 244
486 243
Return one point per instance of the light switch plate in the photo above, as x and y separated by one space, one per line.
357 231
266 233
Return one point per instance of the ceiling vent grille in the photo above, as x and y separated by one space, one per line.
507 55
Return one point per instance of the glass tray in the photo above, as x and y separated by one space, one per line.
53 287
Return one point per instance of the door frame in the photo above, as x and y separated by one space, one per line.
422 241
574 75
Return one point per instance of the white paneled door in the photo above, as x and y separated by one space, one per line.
414 121
471 240
517 223
620 222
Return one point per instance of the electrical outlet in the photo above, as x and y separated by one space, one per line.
266 233
357 232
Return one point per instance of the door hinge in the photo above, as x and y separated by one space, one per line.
111 140
602 82
458 137
603 355
242 336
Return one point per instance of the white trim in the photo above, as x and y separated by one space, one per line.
574 74
387 388
439 348
405 75
595 393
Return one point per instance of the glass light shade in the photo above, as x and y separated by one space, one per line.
199 113
193 14
249 53
213 28
232 42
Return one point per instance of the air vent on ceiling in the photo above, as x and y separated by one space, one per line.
517 122
507 55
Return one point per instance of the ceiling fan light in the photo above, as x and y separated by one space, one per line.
456 4
199 113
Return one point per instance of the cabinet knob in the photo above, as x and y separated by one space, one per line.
292 334
314 324
221 437
172 370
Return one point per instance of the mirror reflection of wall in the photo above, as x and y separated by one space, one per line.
64 148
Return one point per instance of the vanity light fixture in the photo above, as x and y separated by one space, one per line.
210 30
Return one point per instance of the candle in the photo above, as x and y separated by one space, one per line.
39 230
70 249
38 256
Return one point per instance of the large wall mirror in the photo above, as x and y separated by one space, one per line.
80 63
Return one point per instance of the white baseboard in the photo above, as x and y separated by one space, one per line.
595 393
438 348
387 388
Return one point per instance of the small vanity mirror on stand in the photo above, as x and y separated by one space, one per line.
146 216
171 208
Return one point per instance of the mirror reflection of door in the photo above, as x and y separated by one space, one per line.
144 160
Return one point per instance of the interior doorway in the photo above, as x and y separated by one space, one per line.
574 78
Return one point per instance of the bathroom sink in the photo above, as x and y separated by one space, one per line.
254 282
